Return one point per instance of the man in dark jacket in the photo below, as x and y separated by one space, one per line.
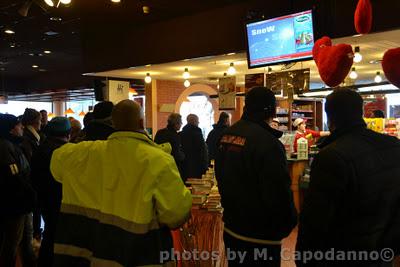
101 127
17 197
353 203
195 149
49 191
170 135
32 121
254 183
214 136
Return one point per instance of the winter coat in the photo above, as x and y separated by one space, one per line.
254 182
17 196
195 149
213 138
120 197
30 143
48 189
169 135
353 201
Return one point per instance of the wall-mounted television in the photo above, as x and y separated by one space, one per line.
280 40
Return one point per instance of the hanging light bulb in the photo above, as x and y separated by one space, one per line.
378 77
357 55
82 114
65 2
186 74
353 74
49 2
69 112
186 83
51 115
147 79
231 70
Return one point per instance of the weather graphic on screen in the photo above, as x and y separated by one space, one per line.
281 39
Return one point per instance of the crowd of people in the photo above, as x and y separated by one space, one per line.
113 202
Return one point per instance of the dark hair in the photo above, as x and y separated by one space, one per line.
174 119
378 113
260 104
103 110
344 107
223 117
43 110
30 116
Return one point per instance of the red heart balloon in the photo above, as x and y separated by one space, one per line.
333 62
391 66
363 17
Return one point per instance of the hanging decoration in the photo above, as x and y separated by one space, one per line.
391 66
333 61
363 17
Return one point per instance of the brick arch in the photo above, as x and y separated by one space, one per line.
199 88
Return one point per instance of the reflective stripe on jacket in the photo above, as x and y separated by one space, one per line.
118 197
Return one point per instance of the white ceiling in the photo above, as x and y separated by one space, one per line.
208 69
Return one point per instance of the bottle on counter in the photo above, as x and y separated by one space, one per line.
302 148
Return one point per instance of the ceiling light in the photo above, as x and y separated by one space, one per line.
230 54
186 83
133 91
49 2
353 74
231 70
65 2
9 31
82 114
50 115
69 112
146 9
378 77
357 55
12 45
47 51
147 79
186 74
56 19
35 66
115 1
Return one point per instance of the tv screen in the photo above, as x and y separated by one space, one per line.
280 40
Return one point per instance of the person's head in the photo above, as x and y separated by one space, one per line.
378 114
44 119
192 119
175 121
103 110
344 107
300 124
32 118
224 119
10 124
260 104
88 118
58 127
274 123
127 115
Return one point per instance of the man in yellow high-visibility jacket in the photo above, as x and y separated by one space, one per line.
120 197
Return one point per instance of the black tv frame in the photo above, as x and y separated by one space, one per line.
284 61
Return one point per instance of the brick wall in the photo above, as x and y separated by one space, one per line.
168 92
